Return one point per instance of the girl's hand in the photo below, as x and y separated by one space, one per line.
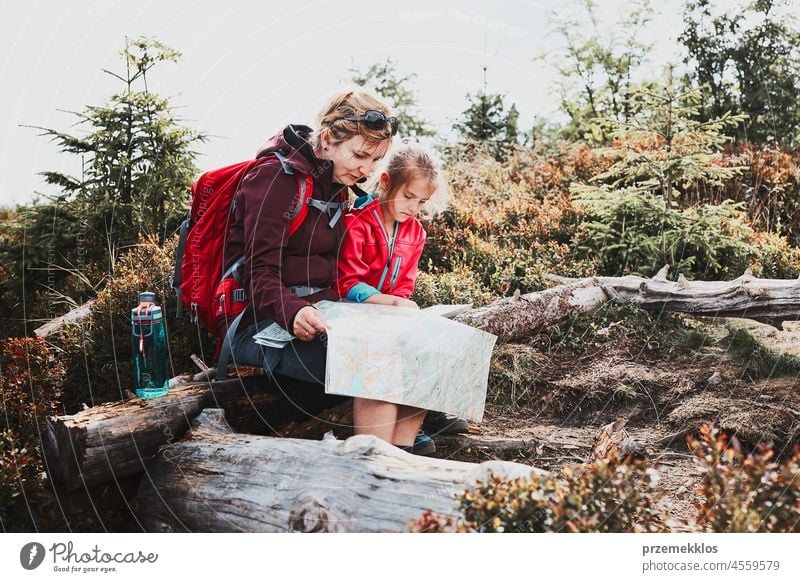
400 302
308 323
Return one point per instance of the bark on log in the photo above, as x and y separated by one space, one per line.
514 318
768 300
114 440
216 481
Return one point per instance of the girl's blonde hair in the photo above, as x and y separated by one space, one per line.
408 162
332 122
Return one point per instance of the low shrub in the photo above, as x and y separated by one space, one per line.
98 353
745 493
455 287
30 386
604 496
631 233
739 493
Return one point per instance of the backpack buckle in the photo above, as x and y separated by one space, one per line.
239 295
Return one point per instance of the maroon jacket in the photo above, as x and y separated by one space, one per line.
259 232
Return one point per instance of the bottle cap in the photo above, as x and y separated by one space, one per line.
153 315
147 297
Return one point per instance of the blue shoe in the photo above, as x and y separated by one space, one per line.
440 423
423 445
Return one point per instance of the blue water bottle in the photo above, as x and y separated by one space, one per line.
149 348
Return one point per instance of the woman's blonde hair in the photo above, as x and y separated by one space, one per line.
408 162
332 122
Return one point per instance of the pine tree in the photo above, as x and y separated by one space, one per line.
488 122
665 146
595 69
137 165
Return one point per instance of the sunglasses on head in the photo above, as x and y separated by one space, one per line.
376 120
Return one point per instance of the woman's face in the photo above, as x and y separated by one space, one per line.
354 158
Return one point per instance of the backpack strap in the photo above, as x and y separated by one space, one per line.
225 350
233 271
326 207
305 190
176 274
287 169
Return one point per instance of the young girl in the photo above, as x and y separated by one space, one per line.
378 264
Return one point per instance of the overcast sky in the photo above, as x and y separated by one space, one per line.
250 67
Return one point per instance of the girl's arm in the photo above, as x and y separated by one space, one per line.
353 271
384 299
404 286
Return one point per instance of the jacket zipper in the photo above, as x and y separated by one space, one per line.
395 272
390 244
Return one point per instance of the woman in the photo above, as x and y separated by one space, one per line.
284 275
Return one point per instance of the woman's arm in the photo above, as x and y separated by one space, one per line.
263 191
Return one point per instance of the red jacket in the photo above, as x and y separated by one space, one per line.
365 254
273 261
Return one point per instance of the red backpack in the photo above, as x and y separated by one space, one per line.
202 288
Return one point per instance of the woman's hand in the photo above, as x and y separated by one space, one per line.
308 323
400 302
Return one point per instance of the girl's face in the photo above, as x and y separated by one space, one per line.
407 199
354 158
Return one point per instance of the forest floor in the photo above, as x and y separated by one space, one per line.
558 402
550 397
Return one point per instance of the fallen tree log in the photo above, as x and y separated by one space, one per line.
114 440
74 316
768 300
512 319
520 316
217 481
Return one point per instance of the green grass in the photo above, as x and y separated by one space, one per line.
759 361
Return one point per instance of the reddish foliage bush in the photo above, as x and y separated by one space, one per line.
30 385
745 493
608 495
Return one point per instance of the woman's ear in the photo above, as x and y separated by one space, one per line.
325 138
